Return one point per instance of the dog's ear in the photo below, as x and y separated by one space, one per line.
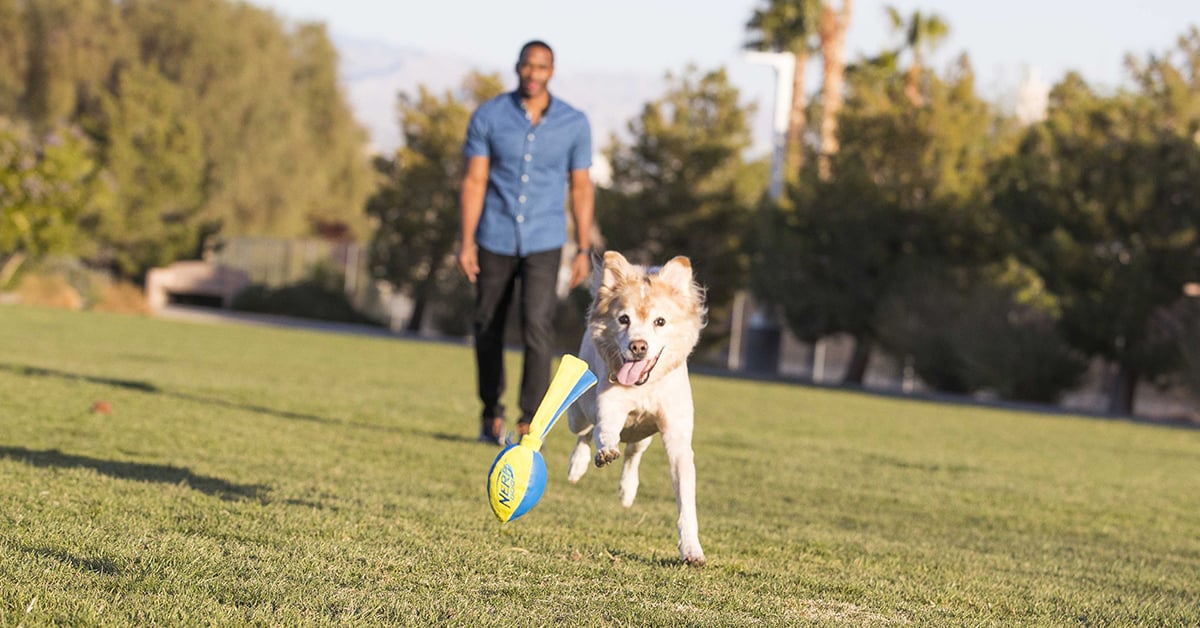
677 273
615 267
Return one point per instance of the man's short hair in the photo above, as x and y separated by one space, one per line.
536 43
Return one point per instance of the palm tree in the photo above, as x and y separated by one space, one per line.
788 26
922 34
832 30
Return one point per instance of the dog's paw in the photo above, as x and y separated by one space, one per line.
605 456
691 554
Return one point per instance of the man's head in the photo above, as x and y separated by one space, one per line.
535 66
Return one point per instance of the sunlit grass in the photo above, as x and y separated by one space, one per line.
257 475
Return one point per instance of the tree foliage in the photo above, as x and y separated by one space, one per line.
676 188
207 114
416 206
51 191
155 158
906 199
989 328
921 33
1103 198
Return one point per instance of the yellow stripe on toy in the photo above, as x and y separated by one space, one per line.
517 478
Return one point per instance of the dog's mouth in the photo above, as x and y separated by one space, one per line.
634 372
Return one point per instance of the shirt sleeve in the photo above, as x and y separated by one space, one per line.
581 149
476 144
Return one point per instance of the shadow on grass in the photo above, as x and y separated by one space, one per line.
164 474
459 438
617 555
102 566
147 387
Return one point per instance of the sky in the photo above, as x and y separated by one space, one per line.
1004 40
1001 38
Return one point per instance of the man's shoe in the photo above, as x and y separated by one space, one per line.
492 431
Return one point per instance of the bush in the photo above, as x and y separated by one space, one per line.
319 297
65 282
979 336
123 297
49 291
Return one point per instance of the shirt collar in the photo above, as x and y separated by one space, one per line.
516 99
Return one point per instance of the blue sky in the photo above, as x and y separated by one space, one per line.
655 36
649 38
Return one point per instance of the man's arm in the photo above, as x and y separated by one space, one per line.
583 203
474 187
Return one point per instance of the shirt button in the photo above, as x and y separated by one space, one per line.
521 198
530 137
528 157
525 177
520 218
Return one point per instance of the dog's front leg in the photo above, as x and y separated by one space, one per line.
610 419
678 444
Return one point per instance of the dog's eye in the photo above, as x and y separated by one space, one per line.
623 319
660 321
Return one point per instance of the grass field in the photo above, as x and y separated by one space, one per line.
251 475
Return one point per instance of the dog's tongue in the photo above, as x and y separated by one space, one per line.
631 372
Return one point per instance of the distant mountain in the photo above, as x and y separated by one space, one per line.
375 73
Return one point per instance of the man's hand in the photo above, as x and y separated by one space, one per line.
581 267
468 262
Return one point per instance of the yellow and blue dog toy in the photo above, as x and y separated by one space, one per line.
517 478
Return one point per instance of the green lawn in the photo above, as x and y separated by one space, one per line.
269 476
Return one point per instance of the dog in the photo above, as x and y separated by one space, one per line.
641 327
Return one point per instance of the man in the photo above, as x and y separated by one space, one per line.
523 150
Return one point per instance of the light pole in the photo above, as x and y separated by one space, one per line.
785 66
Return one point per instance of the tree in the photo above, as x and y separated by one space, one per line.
51 191
282 153
906 199
153 152
922 33
676 187
987 328
151 82
789 26
416 207
832 30
14 57
1105 196
340 179
72 46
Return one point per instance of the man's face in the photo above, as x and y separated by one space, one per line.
534 70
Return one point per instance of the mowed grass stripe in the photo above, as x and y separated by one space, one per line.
258 475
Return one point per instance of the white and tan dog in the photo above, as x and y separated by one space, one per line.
641 328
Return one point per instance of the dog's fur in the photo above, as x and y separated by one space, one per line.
641 327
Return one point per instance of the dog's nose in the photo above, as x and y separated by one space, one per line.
638 348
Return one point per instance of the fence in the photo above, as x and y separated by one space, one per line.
277 262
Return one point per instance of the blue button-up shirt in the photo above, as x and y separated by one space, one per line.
524 210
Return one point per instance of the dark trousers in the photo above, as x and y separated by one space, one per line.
534 277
